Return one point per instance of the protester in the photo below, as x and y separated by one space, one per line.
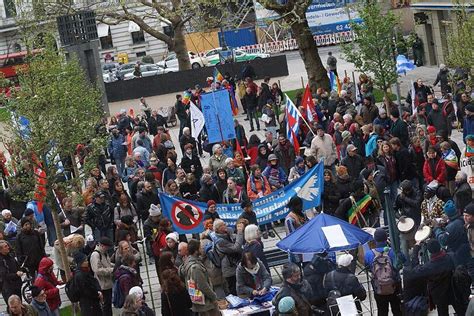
102 269
89 289
253 278
174 296
10 274
29 247
16 308
39 302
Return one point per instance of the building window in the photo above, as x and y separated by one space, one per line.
106 41
141 54
10 9
138 37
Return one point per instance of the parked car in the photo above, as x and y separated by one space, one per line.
147 70
215 55
172 62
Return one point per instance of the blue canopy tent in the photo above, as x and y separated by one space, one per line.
324 233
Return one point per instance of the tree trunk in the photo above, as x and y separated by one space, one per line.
59 233
317 74
181 49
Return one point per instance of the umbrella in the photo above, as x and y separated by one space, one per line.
404 65
324 233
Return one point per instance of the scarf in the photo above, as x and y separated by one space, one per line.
253 271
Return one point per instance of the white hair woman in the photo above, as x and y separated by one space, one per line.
254 244
217 160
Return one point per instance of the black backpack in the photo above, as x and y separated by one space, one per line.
461 284
73 292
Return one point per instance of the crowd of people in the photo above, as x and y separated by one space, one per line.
375 157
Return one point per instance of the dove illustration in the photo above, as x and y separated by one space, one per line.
309 190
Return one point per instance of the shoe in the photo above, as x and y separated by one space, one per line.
271 234
251 129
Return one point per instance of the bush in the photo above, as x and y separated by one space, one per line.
147 60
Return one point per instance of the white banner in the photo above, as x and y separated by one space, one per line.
197 120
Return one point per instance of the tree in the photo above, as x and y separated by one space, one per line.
460 41
63 110
374 47
293 12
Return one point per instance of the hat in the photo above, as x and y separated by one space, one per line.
433 246
469 209
450 208
24 220
272 157
469 107
106 241
345 135
211 202
79 258
380 235
431 129
154 210
35 291
172 236
6 212
351 147
345 260
28 212
286 305
298 160
99 194
137 291
432 186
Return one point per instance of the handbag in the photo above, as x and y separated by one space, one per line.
197 297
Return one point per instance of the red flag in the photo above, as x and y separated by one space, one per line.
40 191
308 105
238 147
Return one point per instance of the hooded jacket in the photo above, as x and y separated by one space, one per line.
247 282
128 278
230 247
47 281
454 237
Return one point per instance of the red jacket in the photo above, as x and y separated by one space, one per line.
440 171
47 281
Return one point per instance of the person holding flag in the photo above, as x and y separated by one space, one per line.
251 102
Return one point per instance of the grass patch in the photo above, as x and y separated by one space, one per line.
67 311
378 94
4 115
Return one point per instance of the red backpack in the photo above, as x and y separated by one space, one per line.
159 243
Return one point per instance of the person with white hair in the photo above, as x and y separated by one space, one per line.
10 226
344 281
140 300
463 193
254 244
217 160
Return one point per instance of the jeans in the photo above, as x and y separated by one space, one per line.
384 300
107 307
120 164
252 115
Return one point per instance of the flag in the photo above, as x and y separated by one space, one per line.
197 120
238 148
413 98
218 76
358 209
292 124
233 100
40 190
186 97
335 83
308 105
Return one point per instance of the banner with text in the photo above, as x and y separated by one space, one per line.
218 115
187 216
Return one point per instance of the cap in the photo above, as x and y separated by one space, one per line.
469 209
345 260
286 305
272 157
380 235
172 236
106 241
79 258
99 194
346 134
351 147
211 202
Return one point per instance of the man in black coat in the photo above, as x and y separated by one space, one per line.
353 161
29 246
404 162
251 102
182 111
191 162
99 216
206 192
399 128
265 93
438 273
314 273
88 286
10 275
145 198
463 193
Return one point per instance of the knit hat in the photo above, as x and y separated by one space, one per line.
450 208
380 235
431 129
469 209
79 258
344 260
346 135
351 147
24 220
298 160
286 305
211 202
272 157
28 212
154 210
137 291
433 246
172 236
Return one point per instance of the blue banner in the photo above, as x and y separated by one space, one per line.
187 216
217 112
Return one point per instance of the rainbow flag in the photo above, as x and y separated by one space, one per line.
186 97
358 208
217 75
450 159
335 83
233 101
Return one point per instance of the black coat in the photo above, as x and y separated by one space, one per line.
31 247
89 288
187 162
354 165
462 196
206 193
346 282
174 304
331 197
251 101
209 215
314 273
10 282
144 200
406 169
99 215
344 187
409 205
265 95
251 217
438 120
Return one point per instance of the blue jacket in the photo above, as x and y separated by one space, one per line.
454 238
370 255
116 148
468 128
385 123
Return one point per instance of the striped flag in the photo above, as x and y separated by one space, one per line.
292 124
335 83
308 105
356 212
218 76
186 97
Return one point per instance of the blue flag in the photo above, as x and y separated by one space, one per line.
187 216
217 112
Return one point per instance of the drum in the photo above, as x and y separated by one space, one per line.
422 233
405 225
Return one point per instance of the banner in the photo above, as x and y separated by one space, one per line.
187 216
217 112
197 120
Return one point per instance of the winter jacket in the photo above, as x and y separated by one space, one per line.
174 304
247 282
237 174
344 186
251 102
301 293
371 144
255 186
99 215
216 163
144 200
102 267
386 123
439 173
265 95
42 309
442 79
10 282
314 273
206 192
369 113
409 205
354 165
229 247
331 197
193 270
462 196
187 162
400 129
324 147
128 278
48 282
89 298
468 127
454 238
438 120
346 282
286 156
405 167
256 248
116 148
30 246
276 176
209 215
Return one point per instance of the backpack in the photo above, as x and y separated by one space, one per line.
333 294
118 298
213 254
89 258
461 284
157 246
73 292
383 274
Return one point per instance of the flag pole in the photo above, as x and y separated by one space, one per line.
215 108
300 115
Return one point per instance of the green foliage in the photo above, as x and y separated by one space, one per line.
461 41
63 110
147 60
373 50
